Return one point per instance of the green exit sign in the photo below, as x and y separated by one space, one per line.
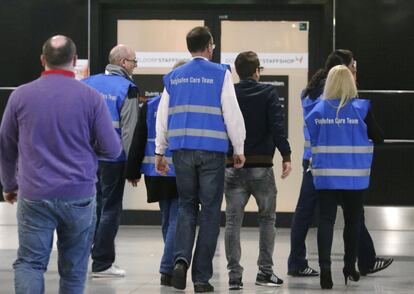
303 26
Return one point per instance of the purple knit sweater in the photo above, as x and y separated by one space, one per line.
51 133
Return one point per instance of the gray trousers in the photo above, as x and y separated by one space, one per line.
239 185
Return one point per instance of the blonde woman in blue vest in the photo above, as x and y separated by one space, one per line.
341 134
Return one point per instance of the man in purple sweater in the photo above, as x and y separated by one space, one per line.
52 131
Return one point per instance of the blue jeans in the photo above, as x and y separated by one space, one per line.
74 222
200 184
304 214
109 195
169 211
239 185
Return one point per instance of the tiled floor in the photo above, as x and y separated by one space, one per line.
139 250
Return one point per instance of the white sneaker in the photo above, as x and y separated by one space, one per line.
113 272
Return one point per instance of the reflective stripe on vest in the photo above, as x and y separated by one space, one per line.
341 172
195 119
343 149
114 89
148 163
195 108
307 103
198 133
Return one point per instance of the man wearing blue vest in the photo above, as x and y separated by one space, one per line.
161 189
197 115
120 94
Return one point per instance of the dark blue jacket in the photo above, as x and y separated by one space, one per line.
265 123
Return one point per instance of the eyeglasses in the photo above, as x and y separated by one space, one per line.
132 60
260 68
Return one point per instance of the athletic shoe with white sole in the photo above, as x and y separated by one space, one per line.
269 280
112 272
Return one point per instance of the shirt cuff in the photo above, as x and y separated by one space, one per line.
238 150
160 150
286 158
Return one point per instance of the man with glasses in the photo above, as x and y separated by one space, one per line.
265 131
121 96
197 115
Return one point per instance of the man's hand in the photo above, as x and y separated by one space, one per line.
10 197
161 165
133 182
286 169
239 160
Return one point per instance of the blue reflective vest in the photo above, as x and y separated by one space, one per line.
341 150
195 118
114 90
307 103
148 163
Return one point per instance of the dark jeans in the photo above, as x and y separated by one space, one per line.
169 211
302 220
239 185
74 222
110 191
351 202
200 184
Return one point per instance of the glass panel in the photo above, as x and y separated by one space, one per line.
159 44
282 47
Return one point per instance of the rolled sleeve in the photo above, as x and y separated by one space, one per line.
233 117
161 125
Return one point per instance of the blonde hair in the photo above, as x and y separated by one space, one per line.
340 84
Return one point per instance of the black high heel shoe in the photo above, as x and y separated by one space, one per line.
351 273
326 278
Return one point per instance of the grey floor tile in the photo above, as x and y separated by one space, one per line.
139 251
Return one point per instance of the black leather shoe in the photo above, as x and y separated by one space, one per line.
179 275
350 273
203 288
165 280
326 278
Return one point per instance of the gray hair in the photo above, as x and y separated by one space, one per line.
118 53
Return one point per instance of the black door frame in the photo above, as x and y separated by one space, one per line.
105 13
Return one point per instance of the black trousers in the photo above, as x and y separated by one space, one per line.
352 206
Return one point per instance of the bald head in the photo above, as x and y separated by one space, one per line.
123 56
58 51
120 52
